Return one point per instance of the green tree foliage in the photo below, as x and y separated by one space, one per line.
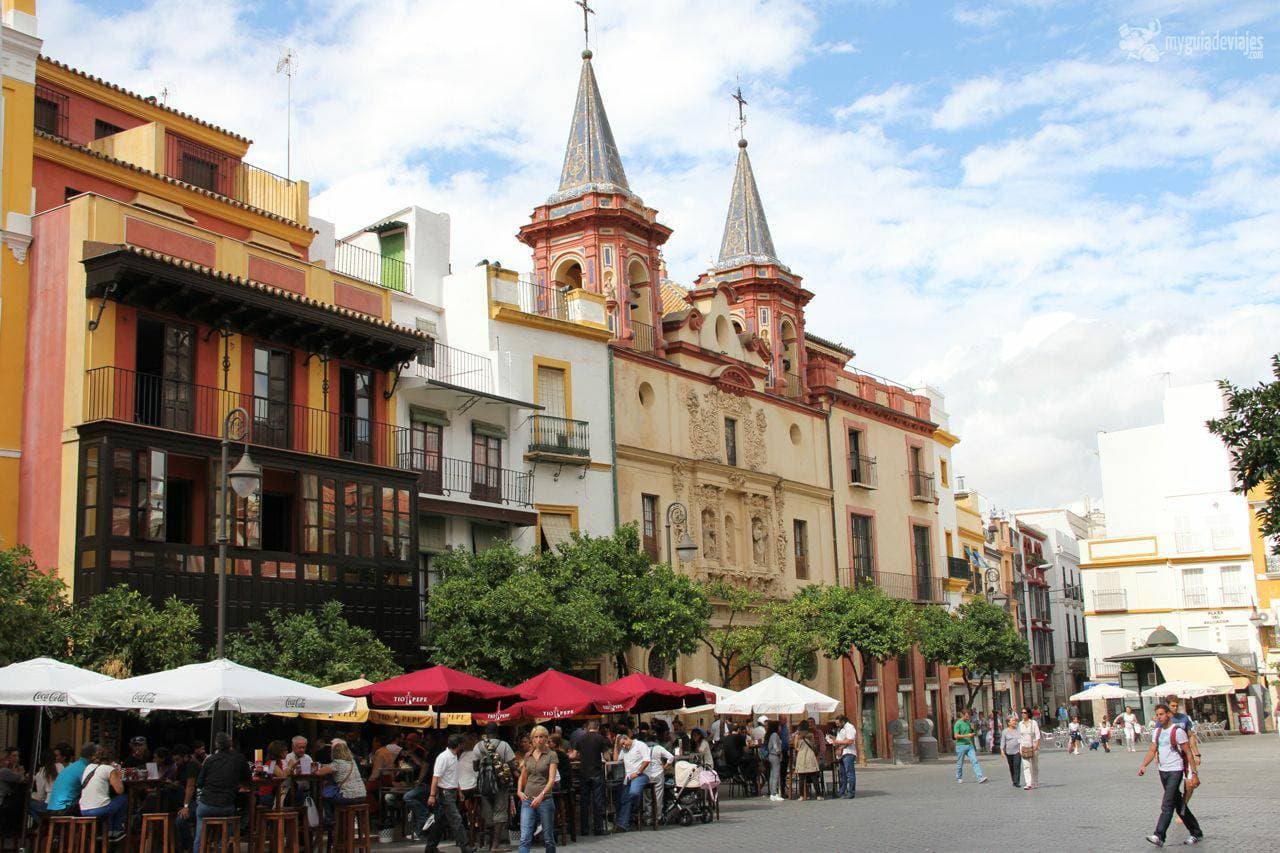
938 634
652 606
986 642
32 603
739 640
1251 431
318 647
121 633
790 633
862 625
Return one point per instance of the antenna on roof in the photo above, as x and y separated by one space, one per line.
164 96
288 64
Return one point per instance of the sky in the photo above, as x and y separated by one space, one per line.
1050 211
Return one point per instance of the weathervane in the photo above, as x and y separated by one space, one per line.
586 24
742 116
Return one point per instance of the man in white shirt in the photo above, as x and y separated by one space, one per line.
1173 746
444 790
659 758
845 742
635 764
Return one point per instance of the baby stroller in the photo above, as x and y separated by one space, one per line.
684 800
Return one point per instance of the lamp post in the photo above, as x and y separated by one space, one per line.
677 513
244 479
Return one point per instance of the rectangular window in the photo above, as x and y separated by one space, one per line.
355 408
486 468
485 536
730 441
395 523
1194 593
359 513
950 543
649 525
51 111
150 492
1234 592
551 392
271 396
923 561
800 531
104 128
246 514
554 529
319 514
121 492
198 171
426 443
862 561
89 501
857 465
943 474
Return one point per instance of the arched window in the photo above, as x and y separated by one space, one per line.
638 295
568 274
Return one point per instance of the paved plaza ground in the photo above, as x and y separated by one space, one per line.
1094 801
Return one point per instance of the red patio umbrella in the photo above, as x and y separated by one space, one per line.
556 696
443 689
649 694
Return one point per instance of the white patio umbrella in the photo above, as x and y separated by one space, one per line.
720 693
1188 689
1103 691
777 694
44 682
219 685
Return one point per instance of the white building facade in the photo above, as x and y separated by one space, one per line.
1066 533
1178 549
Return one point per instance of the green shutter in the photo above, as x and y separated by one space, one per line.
392 251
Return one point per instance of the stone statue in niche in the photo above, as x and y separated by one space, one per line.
730 535
710 546
759 541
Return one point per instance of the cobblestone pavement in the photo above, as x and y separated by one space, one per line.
1093 801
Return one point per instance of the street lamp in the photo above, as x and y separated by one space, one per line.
244 479
687 550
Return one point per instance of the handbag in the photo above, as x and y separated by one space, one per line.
1027 752
313 813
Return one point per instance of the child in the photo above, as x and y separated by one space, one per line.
1077 738
1104 735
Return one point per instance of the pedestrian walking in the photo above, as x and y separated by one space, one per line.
1011 746
1171 744
1128 721
963 733
445 785
533 789
1104 735
1077 736
1029 750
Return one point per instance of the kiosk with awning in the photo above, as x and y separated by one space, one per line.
1162 659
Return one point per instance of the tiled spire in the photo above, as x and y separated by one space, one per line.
746 231
591 160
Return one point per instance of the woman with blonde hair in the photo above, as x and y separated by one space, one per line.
347 787
537 777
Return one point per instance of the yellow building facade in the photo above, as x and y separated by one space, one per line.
1266 568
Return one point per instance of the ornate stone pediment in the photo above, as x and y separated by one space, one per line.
707 411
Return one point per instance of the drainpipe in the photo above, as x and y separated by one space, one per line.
613 444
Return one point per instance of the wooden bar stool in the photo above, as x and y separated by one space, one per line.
55 831
88 835
351 829
228 832
156 826
278 827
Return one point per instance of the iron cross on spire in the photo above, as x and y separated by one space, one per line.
742 116
586 24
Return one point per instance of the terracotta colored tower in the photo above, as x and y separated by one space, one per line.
594 232
769 300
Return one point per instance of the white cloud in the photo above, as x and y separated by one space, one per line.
993 269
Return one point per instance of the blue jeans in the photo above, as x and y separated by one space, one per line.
848 776
114 812
631 794
415 799
530 817
202 812
963 749
592 808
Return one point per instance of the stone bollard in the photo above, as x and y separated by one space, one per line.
926 743
903 753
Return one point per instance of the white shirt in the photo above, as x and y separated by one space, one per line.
447 769
634 757
42 784
1028 733
394 748
96 791
467 769
1130 722
849 733
1170 758
1075 728
658 755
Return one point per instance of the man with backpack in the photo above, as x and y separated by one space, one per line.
495 779
1172 744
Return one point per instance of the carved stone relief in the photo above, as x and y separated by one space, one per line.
707 412
759 541
710 538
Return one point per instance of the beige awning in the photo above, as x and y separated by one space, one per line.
556 528
1197 669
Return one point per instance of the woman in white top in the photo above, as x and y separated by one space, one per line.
102 793
1129 722
42 781
1029 749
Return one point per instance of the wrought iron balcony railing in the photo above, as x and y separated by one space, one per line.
455 366
862 471
642 337
533 298
560 436
1077 649
921 486
223 174
904 586
1104 669
373 267
1110 600
958 567
127 396
442 475
51 112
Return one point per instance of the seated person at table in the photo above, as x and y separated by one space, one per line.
220 778
13 780
294 762
359 749
65 792
382 768
46 774
138 755
343 787
102 792
635 764
700 748
156 799
415 799
183 793
273 763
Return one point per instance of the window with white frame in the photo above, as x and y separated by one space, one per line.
1194 593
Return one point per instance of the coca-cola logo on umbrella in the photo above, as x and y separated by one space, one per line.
143 698
49 697
295 702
